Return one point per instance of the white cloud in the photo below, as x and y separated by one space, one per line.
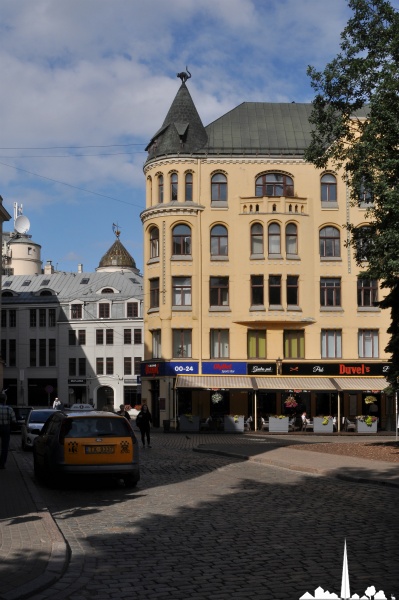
102 72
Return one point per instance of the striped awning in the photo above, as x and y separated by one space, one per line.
361 383
295 383
215 382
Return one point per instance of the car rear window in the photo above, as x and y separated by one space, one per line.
93 427
39 416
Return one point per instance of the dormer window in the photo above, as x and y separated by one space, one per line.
107 291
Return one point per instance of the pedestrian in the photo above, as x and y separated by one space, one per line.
143 421
7 416
123 412
57 404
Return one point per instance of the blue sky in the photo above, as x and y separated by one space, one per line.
85 84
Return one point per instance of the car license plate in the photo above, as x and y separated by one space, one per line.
100 449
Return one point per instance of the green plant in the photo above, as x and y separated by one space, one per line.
326 420
370 399
189 417
367 419
280 416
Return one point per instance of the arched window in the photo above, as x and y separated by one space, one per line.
291 239
257 238
154 242
188 190
274 239
329 242
219 187
107 291
173 187
181 240
219 241
160 189
274 184
328 188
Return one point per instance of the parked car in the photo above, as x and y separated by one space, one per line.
33 425
21 412
87 443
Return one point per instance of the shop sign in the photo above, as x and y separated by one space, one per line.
224 367
342 369
262 369
178 368
152 369
75 381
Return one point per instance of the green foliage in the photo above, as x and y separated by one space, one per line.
356 127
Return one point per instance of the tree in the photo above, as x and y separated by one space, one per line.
355 117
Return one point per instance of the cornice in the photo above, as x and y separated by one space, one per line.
258 160
168 209
164 162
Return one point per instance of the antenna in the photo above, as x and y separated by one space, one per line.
22 224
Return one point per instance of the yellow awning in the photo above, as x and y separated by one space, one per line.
361 383
210 382
294 383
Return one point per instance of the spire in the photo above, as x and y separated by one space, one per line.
345 588
182 130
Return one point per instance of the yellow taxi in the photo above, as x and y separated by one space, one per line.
87 443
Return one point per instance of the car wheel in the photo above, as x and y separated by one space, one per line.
130 481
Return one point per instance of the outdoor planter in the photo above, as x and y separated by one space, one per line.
189 423
318 426
278 425
234 424
362 427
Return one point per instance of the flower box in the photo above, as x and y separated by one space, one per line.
362 427
234 424
189 423
318 426
277 425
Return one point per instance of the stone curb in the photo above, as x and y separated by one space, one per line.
300 468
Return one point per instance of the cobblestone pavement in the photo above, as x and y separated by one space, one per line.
204 526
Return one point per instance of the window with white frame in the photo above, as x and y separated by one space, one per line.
219 339
331 343
182 343
368 343
181 291
156 343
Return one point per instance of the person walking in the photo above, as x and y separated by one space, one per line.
7 416
123 412
143 421
57 404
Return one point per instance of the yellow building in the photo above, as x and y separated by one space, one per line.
251 294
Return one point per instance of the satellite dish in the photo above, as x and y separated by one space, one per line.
22 224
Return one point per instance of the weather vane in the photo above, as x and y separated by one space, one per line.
184 76
116 229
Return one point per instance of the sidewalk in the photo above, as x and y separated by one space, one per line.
268 451
34 554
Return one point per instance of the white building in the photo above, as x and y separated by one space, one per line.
78 336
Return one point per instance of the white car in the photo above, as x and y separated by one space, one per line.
33 425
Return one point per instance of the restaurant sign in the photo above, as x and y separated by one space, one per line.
339 369
262 369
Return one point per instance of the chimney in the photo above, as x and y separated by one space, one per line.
48 268
80 268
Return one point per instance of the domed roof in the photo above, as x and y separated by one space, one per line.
117 257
